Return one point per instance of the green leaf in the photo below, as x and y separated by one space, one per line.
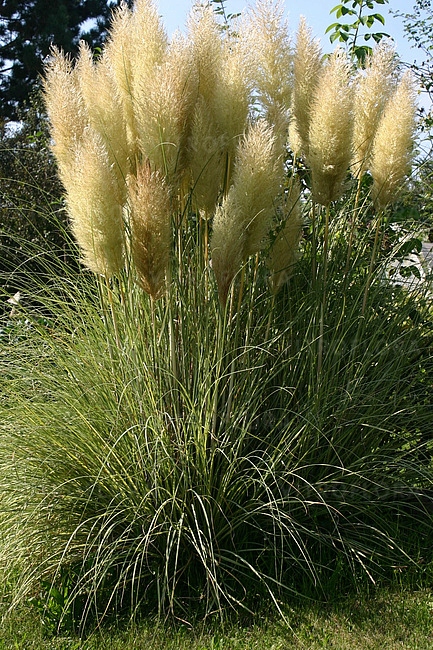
379 18
336 8
378 37
413 245
408 271
417 245
345 11
328 29
362 51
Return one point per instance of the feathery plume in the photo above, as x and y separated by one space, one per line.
117 52
372 91
206 41
393 145
218 126
65 108
294 139
268 49
232 96
222 109
93 206
104 110
227 244
285 248
137 43
148 38
165 103
307 64
150 228
257 183
206 154
243 221
207 144
331 129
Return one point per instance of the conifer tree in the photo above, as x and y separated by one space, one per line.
27 31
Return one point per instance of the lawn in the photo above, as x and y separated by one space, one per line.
386 619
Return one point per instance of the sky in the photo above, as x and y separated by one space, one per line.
316 12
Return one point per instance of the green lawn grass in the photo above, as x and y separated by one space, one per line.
388 619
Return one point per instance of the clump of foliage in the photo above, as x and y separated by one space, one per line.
31 202
27 30
419 28
418 25
232 400
351 33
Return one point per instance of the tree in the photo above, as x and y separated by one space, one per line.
31 206
418 26
28 28
359 29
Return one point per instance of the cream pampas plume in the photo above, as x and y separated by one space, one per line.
164 106
207 48
93 206
257 182
244 219
227 244
232 97
393 145
104 110
206 153
294 139
65 107
207 143
151 228
118 54
137 43
218 125
307 64
285 248
331 129
372 91
222 109
269 53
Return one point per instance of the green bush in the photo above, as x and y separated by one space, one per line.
31 206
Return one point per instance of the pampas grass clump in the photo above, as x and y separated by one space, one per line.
223 409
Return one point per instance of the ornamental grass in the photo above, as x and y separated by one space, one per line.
229 401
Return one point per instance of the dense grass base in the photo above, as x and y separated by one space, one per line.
168 455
